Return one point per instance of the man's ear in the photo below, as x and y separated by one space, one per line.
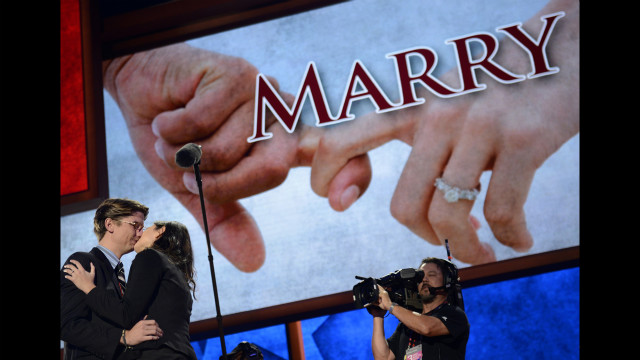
109 224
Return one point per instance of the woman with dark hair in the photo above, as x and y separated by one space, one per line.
160 287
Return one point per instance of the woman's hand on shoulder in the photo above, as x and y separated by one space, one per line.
79 276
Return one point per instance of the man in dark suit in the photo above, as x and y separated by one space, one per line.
118 224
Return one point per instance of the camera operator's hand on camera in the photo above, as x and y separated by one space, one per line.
384 301
380 307
375 310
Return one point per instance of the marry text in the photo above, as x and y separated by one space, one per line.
311 85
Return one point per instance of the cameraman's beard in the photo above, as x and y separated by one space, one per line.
427 299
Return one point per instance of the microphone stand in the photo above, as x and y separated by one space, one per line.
213 275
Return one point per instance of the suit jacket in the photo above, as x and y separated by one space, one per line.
86 335
158 289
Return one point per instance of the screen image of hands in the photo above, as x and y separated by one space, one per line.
179 94
510 130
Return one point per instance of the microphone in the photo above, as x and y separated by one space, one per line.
189 155
436 290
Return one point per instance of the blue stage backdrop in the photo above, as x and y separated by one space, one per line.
535 317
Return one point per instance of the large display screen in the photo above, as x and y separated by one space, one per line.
462 74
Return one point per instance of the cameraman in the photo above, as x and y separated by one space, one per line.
441 331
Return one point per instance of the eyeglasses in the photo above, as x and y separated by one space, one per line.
136 225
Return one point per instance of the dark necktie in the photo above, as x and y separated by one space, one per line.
121 279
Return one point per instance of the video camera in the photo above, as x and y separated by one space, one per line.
402 286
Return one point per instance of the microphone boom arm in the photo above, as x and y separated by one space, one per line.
196 169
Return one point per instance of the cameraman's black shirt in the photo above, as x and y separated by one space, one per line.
452 346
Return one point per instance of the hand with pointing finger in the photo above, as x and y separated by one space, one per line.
509 130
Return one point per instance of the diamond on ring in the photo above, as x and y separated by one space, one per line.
453 194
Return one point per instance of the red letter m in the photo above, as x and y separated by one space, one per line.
266 95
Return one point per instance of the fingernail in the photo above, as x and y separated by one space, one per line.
475 223
154 128
189 181
491 255
349 196
159 150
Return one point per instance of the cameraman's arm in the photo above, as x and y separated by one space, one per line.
422 324
425 325
379 345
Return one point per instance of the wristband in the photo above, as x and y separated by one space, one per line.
391 308
124 340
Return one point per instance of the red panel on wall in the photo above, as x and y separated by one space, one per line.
73 149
